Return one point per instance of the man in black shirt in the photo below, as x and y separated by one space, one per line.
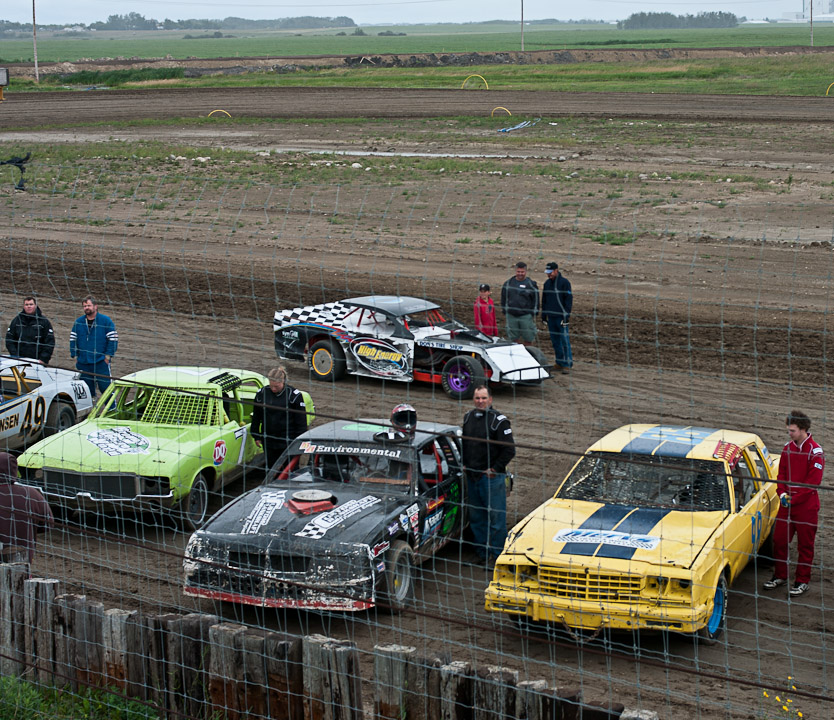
487 448
279 416
30 334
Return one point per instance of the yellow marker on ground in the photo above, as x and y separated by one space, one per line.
500 107
223 111
477 76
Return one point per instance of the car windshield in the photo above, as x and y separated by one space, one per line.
648 481
431 318
160 406
379 467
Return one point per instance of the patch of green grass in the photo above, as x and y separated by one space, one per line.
612 238
463 240
20 699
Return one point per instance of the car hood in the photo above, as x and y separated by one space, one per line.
277 515
118 446
567 531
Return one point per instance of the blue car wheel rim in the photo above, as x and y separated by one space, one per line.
714 624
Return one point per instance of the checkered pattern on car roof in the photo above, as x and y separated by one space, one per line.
325 314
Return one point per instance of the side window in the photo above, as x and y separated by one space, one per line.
11 388
743 480
756 461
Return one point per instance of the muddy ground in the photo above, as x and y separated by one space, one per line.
714 311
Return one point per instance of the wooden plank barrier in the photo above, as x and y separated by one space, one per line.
38 609
12 628
494 696
332 689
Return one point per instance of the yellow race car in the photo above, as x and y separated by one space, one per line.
647 531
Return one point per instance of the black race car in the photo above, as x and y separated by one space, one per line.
340 521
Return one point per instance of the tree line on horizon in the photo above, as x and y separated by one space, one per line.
136 21
668 21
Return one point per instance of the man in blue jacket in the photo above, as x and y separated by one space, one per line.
557 303
93 341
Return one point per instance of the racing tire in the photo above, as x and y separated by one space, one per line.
398 580
461 375
61 416
192 510
711 633
326 361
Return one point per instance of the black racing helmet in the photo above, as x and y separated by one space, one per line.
404 418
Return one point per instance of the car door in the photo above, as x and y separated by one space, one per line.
440 478
766 499
745 523
22 412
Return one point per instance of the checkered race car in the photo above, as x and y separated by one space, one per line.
405 339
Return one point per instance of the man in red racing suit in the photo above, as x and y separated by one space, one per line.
800 472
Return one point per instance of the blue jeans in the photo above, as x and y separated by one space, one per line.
487 505
88 373
560 338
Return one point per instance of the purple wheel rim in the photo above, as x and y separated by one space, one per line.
459 378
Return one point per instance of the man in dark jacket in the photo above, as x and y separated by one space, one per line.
30 334
280 415
520 305
23 510
557 303
487 448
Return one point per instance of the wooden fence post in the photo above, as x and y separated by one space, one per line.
456 691
494 696
529 699
89 648
157 627
391 664
188 659
332 689
66 638
225 670
39 606
285 677
115 640
12 628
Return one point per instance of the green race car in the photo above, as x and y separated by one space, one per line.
162 437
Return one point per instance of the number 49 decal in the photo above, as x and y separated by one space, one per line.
32 421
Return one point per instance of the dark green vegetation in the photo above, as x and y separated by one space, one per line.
20 699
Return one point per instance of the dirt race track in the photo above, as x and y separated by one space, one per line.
716 314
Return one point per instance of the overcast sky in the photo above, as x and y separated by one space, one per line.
386 11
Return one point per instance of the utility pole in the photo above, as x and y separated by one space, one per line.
812 23
522 25
35 41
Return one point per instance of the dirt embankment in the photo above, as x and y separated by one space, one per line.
195 67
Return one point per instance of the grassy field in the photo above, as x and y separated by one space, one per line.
477 37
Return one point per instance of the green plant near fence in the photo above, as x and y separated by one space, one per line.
21 700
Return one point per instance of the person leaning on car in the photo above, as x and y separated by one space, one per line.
30 334
520 305
800 472
279 416
93 340
24 511
487 448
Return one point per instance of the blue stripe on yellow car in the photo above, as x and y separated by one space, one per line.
668 440
606 518
640 522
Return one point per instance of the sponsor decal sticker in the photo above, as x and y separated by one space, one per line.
219 452
607 537
380 548
9 422
380 567
432 524
394 528
404 522
413 516
818 466
119 441
262 513
318 527
432 504
379 357
307 448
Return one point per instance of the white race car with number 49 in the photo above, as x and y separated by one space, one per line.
38 401
402 338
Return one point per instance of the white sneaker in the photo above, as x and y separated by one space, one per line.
799 588
774 583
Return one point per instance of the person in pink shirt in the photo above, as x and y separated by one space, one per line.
485 312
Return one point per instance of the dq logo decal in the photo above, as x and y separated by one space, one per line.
119 441
379 357
219 452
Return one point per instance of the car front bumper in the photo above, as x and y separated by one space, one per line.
592 615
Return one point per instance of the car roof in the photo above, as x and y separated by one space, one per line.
187 376
396 305
364 430
7 362
681 441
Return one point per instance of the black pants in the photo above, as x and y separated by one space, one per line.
272 451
